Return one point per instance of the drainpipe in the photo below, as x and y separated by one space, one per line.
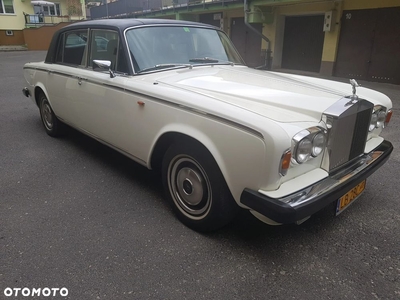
268 58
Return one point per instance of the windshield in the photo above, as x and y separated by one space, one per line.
154 48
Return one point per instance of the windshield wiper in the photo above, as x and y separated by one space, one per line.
210 60
204 59
165 66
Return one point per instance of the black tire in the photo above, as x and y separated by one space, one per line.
51 124
196 187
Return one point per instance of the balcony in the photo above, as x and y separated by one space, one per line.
37 20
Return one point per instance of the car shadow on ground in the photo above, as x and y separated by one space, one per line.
244 229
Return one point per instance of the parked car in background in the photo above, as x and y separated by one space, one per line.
176 96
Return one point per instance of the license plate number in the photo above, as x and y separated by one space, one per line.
349 197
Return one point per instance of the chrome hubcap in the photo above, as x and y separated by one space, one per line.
47 116
190 187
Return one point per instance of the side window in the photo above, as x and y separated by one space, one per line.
122 64
104 45
72 48
60 49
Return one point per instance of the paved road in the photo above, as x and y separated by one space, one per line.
76 214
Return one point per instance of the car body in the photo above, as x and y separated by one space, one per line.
176 96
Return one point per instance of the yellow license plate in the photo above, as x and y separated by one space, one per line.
349 197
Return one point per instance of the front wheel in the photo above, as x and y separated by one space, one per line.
196 187
50 122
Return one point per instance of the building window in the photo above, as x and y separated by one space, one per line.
47 10
6 7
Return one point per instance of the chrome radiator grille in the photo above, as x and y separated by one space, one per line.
347 131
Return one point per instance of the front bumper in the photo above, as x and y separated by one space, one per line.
304 203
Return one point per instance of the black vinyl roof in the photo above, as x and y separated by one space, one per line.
113 24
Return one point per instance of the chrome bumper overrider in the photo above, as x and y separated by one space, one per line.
311 199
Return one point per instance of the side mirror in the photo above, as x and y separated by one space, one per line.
104 64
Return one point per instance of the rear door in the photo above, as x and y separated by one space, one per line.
62 77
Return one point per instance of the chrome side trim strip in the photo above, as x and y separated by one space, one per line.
166 102
37 69
201 113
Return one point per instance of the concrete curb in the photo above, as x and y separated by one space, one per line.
13 48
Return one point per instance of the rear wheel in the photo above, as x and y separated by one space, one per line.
196 187
52 125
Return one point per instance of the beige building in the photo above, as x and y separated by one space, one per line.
347 38
17 15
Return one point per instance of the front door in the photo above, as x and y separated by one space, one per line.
104 109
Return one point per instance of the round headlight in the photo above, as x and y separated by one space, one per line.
318 144
381 119
374 120
303 150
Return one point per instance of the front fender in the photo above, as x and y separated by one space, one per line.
240 155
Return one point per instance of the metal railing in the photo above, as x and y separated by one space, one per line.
40 20
128 8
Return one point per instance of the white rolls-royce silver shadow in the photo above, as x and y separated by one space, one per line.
176 96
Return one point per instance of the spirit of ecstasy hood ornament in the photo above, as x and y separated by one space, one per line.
354 84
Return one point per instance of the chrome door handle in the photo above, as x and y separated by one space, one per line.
80 79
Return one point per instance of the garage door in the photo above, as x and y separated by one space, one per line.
303 43
247 42
211 19
369 46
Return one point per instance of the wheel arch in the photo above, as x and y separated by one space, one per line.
39 88
166 140
219 151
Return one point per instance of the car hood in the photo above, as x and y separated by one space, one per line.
280 97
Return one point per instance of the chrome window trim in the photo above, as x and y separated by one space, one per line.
63 34
160 25
90 45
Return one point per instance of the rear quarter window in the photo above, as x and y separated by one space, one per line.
72 48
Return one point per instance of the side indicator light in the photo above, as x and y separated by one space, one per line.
285 162
141 103
388 116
